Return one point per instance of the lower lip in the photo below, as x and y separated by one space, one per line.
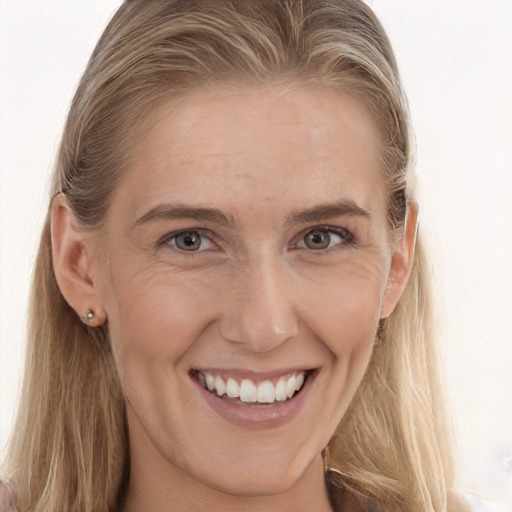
258 417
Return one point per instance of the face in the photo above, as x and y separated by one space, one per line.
248 262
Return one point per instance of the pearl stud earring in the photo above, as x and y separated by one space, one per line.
88 317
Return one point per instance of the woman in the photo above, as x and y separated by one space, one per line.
230 306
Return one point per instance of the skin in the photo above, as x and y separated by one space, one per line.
253 298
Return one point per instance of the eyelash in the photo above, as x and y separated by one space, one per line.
344 234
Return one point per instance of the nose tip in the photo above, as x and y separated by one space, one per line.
260 315
259 329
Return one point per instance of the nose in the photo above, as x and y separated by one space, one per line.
259 310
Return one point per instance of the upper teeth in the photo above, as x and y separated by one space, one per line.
247 391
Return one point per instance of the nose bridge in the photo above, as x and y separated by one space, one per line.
261 314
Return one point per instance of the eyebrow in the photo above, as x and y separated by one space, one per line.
322 212
174 211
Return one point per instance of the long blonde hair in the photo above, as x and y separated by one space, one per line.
69 450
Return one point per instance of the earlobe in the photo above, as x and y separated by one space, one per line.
402 261
72 254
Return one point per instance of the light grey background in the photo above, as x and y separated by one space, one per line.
455 58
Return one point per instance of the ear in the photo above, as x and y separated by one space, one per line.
401 262
73 256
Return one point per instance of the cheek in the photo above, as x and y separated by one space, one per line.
345 305
343 312
153 324
155 319
353 323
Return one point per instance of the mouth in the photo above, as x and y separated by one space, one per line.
253 392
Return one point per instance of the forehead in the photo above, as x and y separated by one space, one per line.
296 142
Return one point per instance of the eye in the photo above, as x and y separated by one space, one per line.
325 238
190 241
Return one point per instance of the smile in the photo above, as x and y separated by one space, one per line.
249 392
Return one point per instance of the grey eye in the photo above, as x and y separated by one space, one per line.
188 240
325 238
317 239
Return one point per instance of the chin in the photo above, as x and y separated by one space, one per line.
266 483
255 476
